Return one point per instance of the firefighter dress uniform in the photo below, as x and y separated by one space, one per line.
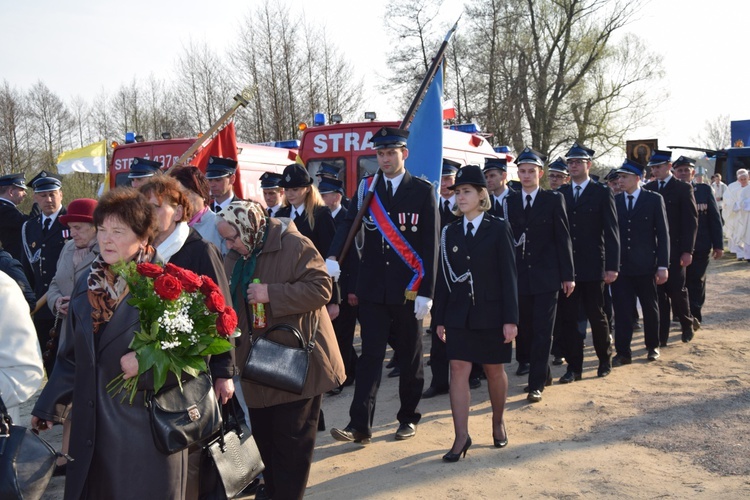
41 249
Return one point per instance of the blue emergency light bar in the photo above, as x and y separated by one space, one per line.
502 149
319 119
469 128
129 137
290 144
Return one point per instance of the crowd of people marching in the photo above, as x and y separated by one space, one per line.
495 264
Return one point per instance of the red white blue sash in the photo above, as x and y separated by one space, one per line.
397 241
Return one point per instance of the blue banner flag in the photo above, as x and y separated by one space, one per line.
426 134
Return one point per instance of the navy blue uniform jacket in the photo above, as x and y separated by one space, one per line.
545 259
491 260
644 235
383 276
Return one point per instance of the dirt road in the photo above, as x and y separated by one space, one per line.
674 428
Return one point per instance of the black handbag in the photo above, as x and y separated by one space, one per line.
181 418
26 461
277 365
233 461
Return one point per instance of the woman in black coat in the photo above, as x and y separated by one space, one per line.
111 442
476 304
179 244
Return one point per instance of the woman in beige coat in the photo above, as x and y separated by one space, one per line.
294 288
75 259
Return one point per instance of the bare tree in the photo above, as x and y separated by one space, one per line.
716 134
11 128
202 84
415 28
51 121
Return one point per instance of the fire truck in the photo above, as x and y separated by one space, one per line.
347 145
252 161
729 160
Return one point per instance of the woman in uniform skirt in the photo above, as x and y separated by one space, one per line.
476 304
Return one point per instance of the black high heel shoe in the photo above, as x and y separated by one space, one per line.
501 443
453 457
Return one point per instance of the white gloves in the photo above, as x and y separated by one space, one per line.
422 306
333 268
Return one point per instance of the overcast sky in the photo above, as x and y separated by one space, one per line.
81 47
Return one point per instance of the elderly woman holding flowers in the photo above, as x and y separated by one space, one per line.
294 288
111 442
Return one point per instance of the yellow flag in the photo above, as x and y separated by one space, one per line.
91 159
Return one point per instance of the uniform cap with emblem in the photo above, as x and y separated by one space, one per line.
389 137
220 167
143 167
46 181
331 186
578 151
496 164
528 155
328 170
559 165
270 180
470 174
631 167
611 175
684 160
80 210
450 167
17 180
658 157
294 176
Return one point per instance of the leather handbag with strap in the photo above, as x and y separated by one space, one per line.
26 460
278 365
181 418
234 460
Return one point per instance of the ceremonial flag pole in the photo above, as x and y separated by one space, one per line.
410 115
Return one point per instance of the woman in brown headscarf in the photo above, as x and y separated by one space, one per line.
294 287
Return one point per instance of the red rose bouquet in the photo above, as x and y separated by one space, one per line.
183 319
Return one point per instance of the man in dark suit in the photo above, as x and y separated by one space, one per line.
709 240
327 170
558 174
43 239
221 174
496 172
544 259
12 193
401 227
644 258
142 170
596 255
273 194
682 216
332 192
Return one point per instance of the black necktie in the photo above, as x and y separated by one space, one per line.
527 208
661 186
469 233
216 207
577 194
447 207
497 205
270 212
630 202
47 223
295 214
389 189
